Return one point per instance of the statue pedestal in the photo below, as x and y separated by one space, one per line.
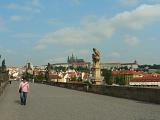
97 76
98 82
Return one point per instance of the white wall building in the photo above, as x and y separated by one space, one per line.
112 66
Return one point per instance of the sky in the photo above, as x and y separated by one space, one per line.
42 31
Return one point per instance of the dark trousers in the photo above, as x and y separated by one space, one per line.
23 97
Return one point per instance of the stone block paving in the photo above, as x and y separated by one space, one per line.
53 103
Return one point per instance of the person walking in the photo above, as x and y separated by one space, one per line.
23 90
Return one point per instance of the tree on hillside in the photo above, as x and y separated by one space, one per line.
107 74
39 77
82 69
27 76
60 68
120 79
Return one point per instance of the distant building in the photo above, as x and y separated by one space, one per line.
60 64
29 68
39 71
146 80
73 61
137 78
68 76
114 66
127 75
132 66
42 67
110 66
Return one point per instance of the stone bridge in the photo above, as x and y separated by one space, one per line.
47 102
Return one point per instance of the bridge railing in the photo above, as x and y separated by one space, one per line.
3 86
137 93
70 85
4 78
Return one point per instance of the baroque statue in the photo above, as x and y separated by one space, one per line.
49 67
96 67
48 72
3 65
95 57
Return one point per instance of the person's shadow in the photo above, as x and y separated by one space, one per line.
17 102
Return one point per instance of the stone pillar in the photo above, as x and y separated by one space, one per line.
97 76
96 67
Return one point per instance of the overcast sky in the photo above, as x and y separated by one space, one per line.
43 31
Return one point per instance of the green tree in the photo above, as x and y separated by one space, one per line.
107 74
71 67
120 79
82 69
73 78
27 76
59 68
39 77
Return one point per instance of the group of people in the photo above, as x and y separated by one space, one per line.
23 90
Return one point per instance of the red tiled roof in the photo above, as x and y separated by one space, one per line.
147 78
54 77
36 70
127 72
71 73
79 63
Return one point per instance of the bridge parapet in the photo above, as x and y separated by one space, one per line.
4 78
3 86
146 94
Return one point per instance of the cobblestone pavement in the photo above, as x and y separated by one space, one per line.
53 103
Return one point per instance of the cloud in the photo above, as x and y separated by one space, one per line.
86 34
56 60
53 21
17 18
35 3
3 26
26 35
14 6
77 52
137 2
138 18
83 52
100 29
77 2
115 54
39 47
131 40
6 51
33 6
62 56
129 2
